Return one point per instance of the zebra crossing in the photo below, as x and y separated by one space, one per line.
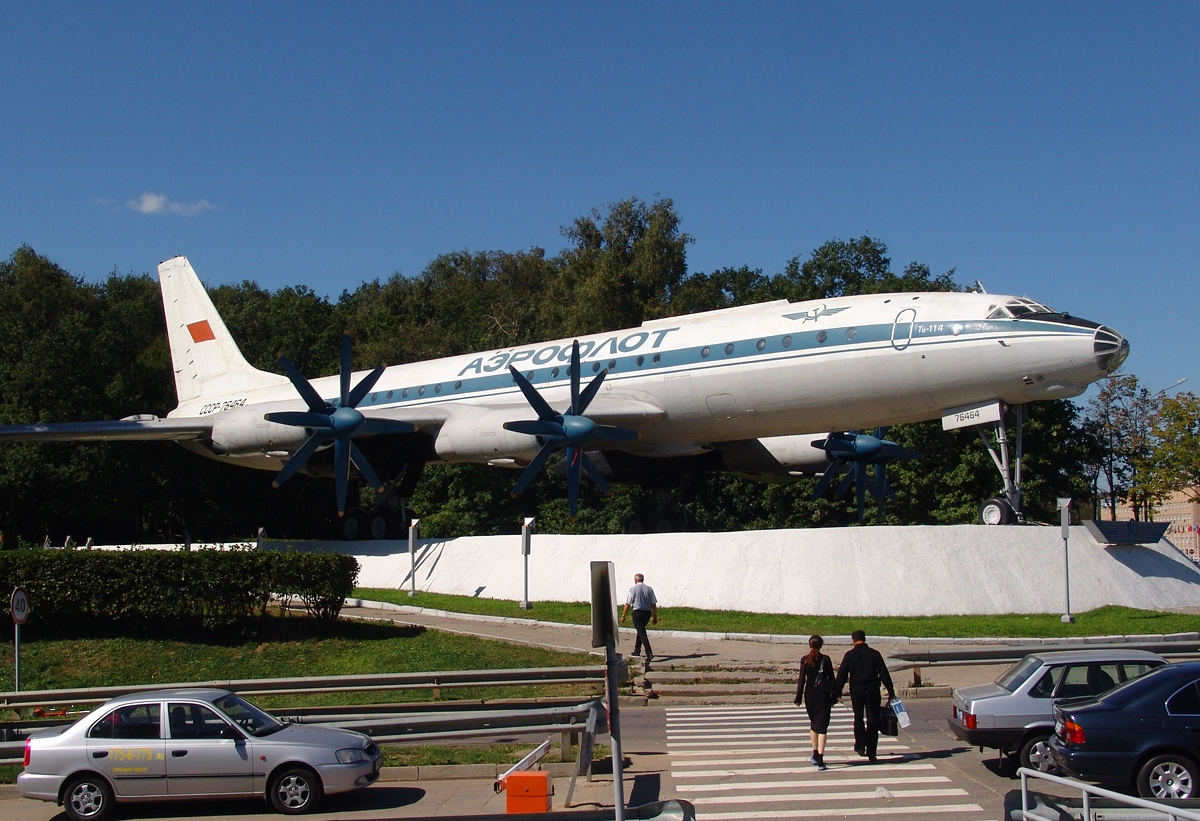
745 762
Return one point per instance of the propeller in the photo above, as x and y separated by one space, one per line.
853 452
569 431
339 422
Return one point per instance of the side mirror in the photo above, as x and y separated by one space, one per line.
231 732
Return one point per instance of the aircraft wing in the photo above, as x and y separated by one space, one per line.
134 428
625 411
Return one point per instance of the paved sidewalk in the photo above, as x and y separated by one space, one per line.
728 650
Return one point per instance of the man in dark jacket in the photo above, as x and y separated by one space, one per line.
865 670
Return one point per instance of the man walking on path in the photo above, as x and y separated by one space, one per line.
864 668
642 601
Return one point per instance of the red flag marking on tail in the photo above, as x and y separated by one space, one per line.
201 331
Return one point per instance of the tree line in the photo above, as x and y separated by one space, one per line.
73 350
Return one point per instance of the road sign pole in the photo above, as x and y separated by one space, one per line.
414 534
526 539
19 607
1064 508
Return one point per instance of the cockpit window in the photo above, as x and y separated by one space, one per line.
1017 308
1025 307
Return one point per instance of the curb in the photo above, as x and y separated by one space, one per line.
773 638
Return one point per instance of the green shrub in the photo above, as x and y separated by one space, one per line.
155 592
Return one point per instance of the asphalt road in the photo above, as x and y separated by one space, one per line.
980 780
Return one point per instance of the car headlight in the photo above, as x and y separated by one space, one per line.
350 756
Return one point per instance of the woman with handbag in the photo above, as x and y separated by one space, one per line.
817 689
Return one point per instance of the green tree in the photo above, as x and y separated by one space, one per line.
1175 461
622 267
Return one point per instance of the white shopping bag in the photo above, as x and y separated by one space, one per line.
902 717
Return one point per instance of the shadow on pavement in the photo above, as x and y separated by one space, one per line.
646 789
373 798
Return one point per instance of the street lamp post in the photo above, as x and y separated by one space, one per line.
1064 510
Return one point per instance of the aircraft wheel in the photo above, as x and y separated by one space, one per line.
996 512
354 524
381 525
635 524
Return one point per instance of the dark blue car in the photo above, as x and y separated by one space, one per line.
1143 734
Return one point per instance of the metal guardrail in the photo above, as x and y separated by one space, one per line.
325 684
387 723
915 660
1089 791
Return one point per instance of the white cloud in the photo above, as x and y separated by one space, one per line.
150 203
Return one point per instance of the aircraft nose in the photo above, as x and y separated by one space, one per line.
1110 348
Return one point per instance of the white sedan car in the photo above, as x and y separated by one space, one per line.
187 744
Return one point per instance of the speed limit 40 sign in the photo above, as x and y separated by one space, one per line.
19 605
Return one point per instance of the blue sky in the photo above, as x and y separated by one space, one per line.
1046 149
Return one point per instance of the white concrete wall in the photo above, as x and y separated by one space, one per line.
855 571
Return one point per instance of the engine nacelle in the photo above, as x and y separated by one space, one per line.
777 455
483 438
244 432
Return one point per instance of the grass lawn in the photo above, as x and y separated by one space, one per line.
1105 621
289 646
298 646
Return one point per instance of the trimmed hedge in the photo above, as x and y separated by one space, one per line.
152 592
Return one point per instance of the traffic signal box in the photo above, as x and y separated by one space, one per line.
528 791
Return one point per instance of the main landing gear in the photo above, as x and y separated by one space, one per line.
1005 509
390 517
669 515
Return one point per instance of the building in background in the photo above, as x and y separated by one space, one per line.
1181 512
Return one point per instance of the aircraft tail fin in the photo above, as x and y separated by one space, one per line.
206 360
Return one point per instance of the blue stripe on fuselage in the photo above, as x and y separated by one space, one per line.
780 346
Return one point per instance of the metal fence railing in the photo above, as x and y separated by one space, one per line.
385 723
916 660
1032 809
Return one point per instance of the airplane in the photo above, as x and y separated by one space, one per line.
767 390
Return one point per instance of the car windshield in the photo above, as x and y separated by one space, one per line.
1018 674
247 716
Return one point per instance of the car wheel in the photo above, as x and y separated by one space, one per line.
295 790
1168 776
996 512
1035 754
87 798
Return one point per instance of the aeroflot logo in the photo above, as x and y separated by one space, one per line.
814 314
589 349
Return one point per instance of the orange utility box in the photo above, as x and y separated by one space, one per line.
528 792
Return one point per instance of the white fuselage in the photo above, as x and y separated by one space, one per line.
689 383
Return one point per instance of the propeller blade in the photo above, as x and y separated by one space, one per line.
594 473
301 419
364 467
544 411
532 469
844 485
611 433
860 489
364 387
580 404
299 458
341 472
831 473
536 427
574 464
307 392
344 371
575 370
380 426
